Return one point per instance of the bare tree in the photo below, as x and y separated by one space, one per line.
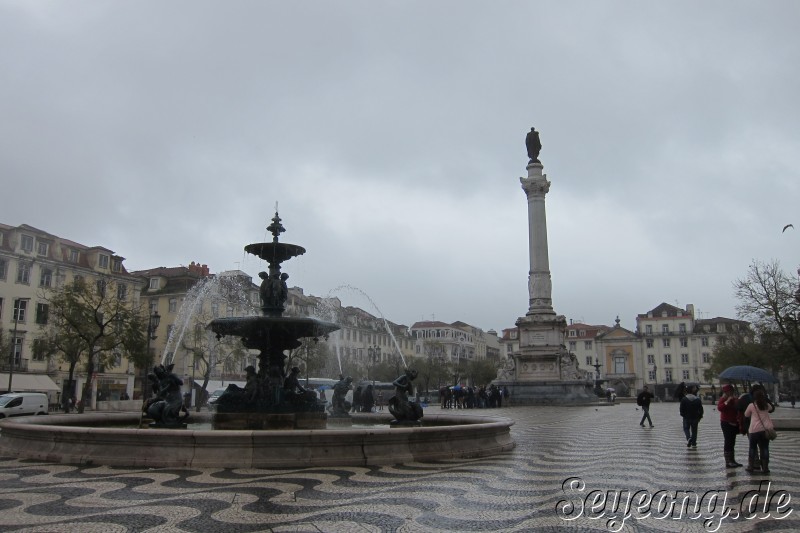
91 321
768 300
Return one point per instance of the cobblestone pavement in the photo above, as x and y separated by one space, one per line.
596 448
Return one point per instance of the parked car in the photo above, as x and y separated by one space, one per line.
23 403
215 396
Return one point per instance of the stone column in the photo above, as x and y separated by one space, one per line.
540 286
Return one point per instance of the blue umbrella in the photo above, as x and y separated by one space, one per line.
748 373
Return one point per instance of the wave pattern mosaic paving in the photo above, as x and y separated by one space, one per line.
582 468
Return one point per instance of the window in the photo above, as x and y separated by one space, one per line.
665 329
619 365
171 328
215 310
681 328
101 287
2 269
651 375
42 310
651 359
74 256
665 342
706 357
685 374
153 306
573 333
703 341
173 305
684 342
685 358
122 292
153 284
24 273
589 360
668 375
667 358
46 278
39 349
20 308
587 345
26 243
582 333
573 345
116 265
648 329
649 343
721 341
42 248
102 261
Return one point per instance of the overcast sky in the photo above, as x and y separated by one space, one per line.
392 136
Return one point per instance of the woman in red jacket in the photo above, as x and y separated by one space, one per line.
728 414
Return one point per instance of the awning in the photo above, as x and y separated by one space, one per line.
28 383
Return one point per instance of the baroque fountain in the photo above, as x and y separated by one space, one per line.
270 422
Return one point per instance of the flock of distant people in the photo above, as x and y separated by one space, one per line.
461 397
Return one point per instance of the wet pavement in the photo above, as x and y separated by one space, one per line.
579 468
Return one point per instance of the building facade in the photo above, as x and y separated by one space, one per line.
34 263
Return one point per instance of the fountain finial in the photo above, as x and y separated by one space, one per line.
276 228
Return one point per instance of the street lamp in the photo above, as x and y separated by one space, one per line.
19 309
597 366
655 375
152 325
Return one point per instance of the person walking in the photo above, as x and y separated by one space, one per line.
643 401
691 410
729 421
760 423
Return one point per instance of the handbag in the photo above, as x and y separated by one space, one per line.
770 432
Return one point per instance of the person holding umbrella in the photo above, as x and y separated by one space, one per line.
729 421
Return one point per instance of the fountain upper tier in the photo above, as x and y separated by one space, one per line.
274 252
282 332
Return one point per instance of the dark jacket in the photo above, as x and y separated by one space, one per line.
691 407
644 398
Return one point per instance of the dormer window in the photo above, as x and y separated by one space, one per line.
573 333
153 284
102 261
26 243
116 265
42 248
582 333
74 255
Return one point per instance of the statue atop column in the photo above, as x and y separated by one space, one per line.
534 145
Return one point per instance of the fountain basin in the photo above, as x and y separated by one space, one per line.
77 439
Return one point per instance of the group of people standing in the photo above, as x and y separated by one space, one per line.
748 414
365 400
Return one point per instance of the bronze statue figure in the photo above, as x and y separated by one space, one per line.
339 405
165 408
403 409
534 145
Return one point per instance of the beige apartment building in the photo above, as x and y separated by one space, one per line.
33 263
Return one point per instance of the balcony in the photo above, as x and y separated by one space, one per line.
19 366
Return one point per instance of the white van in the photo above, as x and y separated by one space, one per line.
23 403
